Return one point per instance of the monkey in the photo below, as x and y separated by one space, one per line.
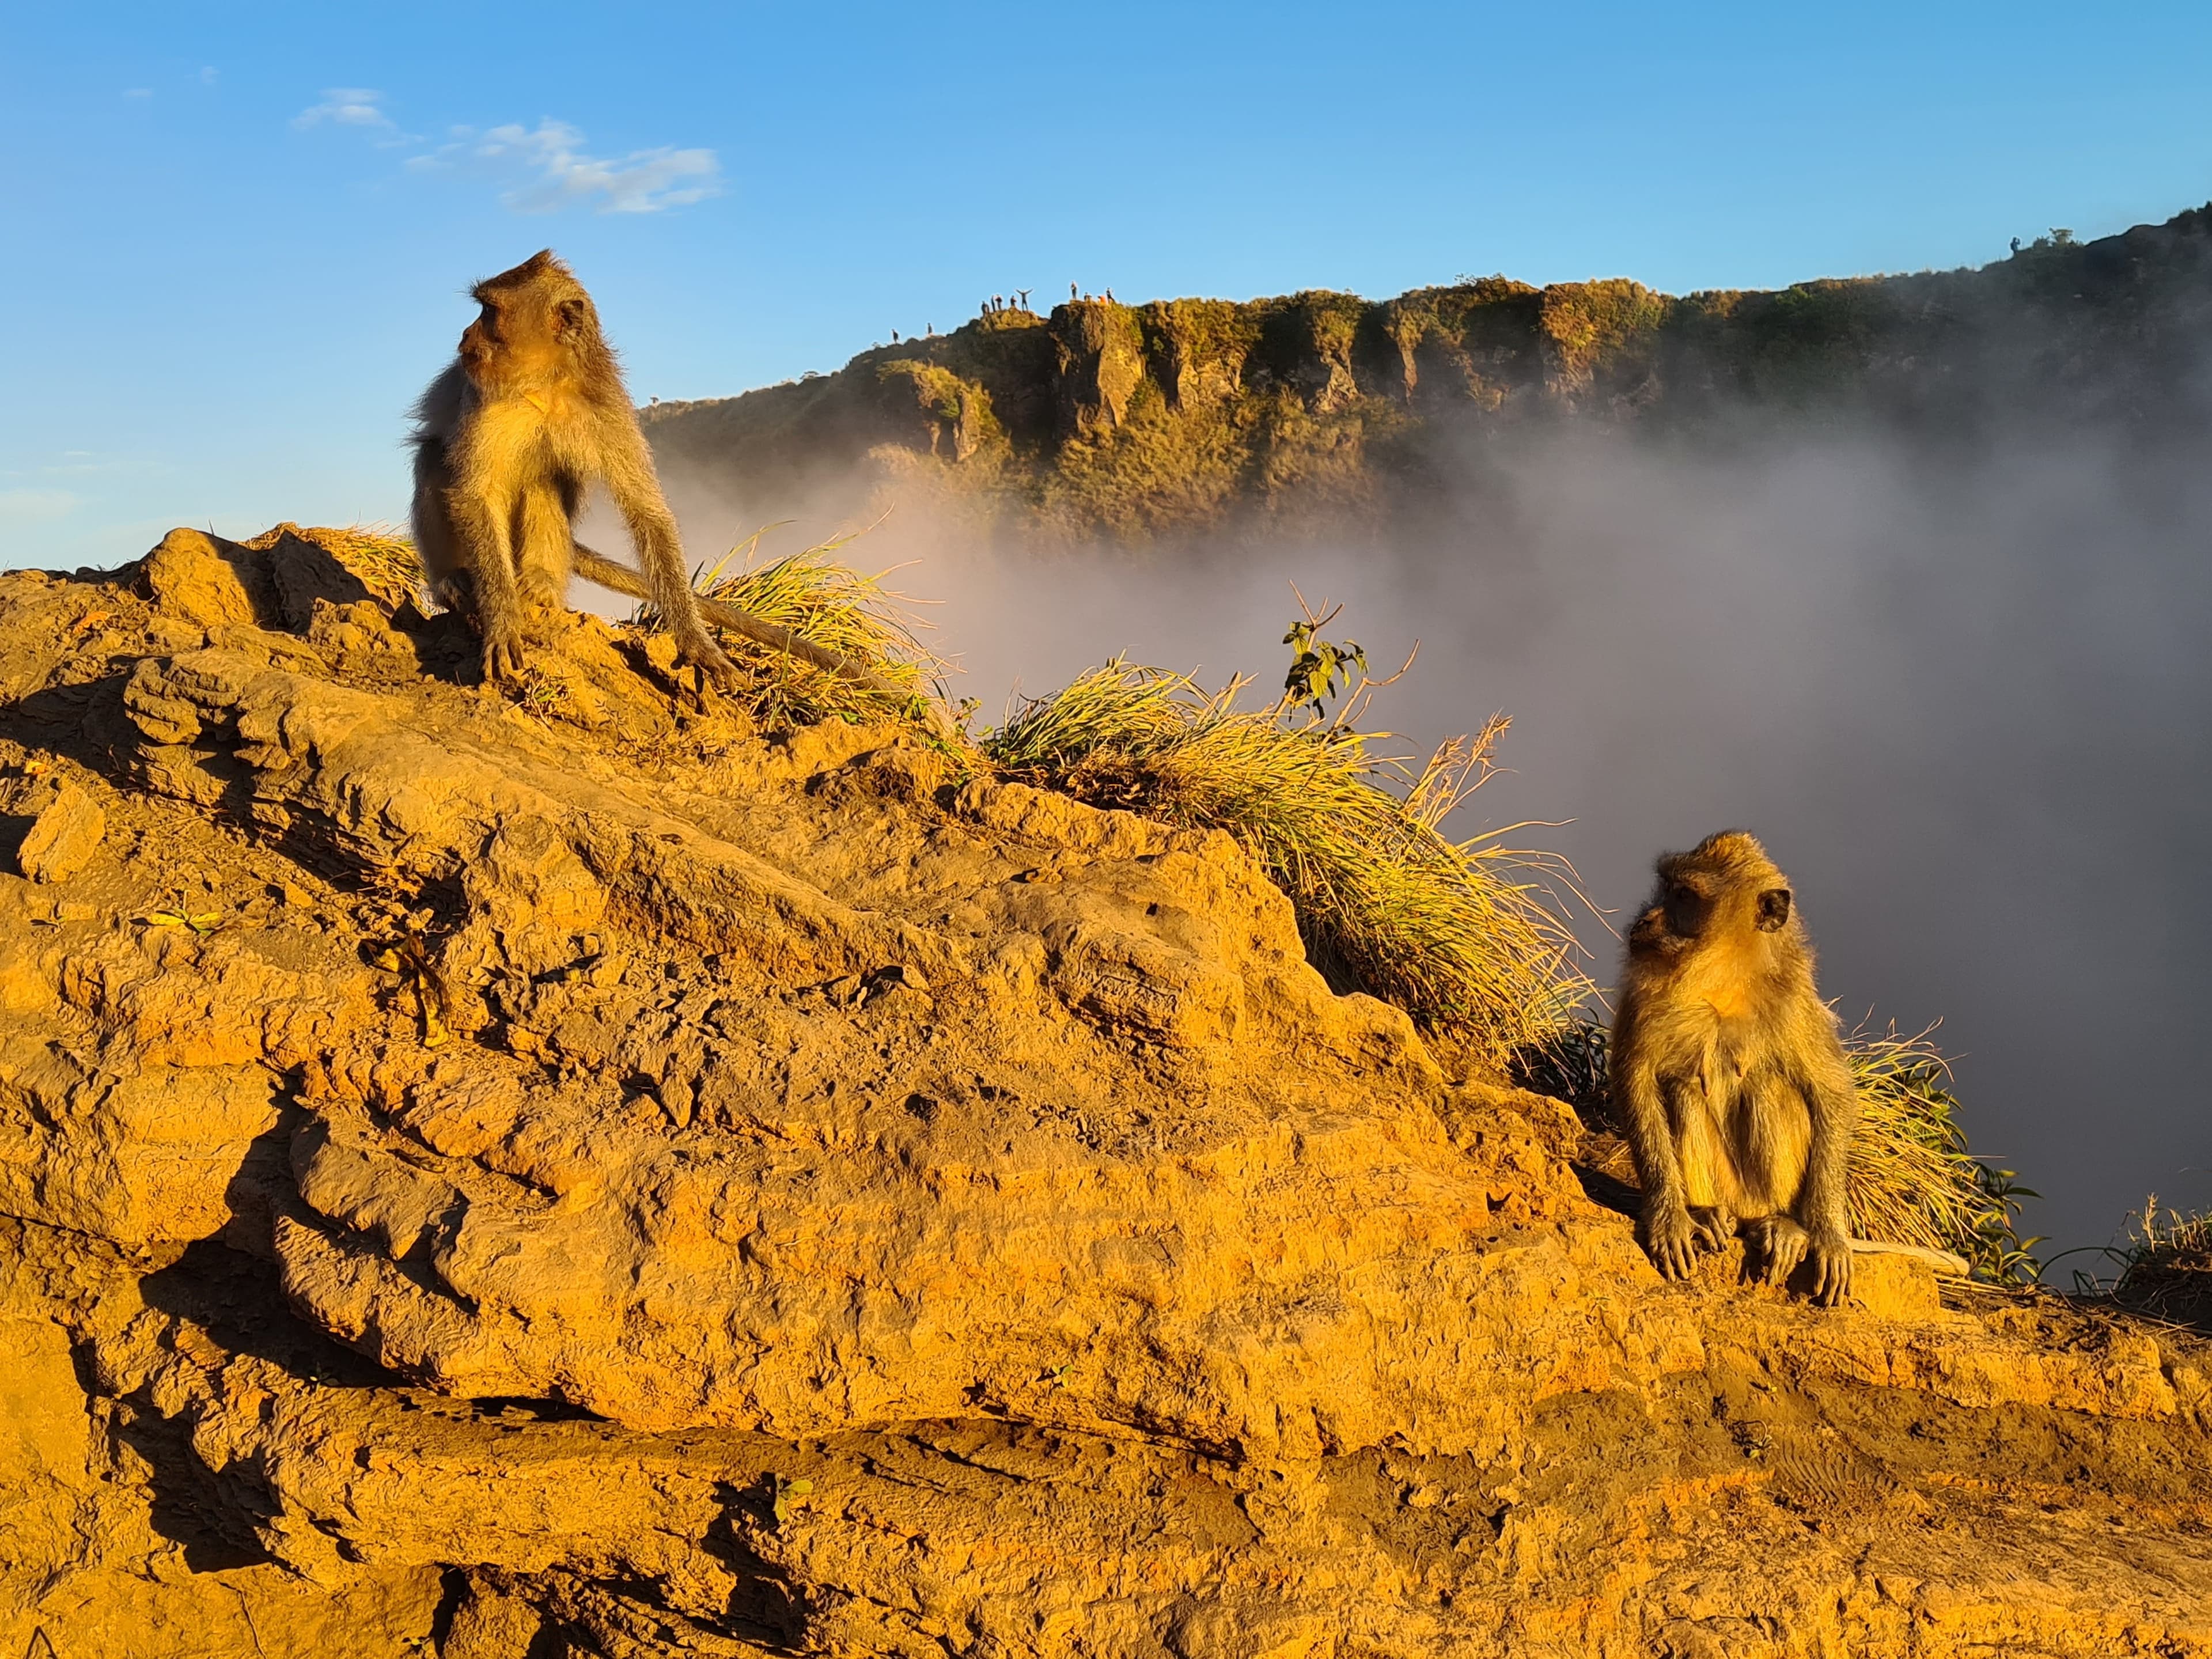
531 409
1728 1074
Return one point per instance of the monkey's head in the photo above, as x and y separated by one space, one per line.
1724 884
537 323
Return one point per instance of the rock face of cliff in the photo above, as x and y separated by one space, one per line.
1198 415
580 1175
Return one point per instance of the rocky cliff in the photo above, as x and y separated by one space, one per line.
1187 416
582 1175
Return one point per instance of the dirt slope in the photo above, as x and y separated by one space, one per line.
580 1176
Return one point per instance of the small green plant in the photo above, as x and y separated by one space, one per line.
783 1495
1320 668
541 694
180 914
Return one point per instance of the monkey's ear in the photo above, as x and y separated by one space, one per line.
570 317
1773 908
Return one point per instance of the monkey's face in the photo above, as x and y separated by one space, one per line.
1689 904
1693 902
522 336
480 340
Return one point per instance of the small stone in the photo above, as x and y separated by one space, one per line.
676 1100
64 837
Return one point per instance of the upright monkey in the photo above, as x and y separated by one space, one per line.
506 440
1727 1074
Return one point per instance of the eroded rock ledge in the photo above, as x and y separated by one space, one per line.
581 1176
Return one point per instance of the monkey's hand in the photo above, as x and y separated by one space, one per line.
1669 1239
1831 1266
502 654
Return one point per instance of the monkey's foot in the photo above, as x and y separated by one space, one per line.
1831 1267
1781 1244
502 656
698 649
543 611
1713 1227
1670 1240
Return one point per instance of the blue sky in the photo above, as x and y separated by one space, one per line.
237 234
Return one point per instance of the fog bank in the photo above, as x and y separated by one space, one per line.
1962 697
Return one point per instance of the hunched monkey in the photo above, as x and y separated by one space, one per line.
530 411
1727 1074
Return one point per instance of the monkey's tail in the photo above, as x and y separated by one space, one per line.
1943 1261
596 568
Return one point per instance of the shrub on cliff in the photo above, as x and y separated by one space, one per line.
1460 935
2169 1269
820 598
2165 1267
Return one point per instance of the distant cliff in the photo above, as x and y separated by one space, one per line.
1143 421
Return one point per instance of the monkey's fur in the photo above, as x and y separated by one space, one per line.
506 439
1728 1074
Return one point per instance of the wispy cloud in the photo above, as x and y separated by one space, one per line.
544 168
138 92
558 172
345 106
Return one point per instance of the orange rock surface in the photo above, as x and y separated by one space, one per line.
578 1176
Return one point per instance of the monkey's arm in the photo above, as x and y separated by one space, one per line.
1834 1104
484 532
1669 1234
627 467
595 567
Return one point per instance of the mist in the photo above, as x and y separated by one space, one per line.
1960 690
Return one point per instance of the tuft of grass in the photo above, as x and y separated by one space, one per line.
1912 1181
1460 935
380 555
818 597
2166 1267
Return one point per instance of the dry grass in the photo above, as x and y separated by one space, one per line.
810 592
820 597
1461 934
2167 1266
380 555
1912 1180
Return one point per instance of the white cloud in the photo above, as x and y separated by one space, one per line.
138 92
208 75
547 165
563 175
345 106
26 506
